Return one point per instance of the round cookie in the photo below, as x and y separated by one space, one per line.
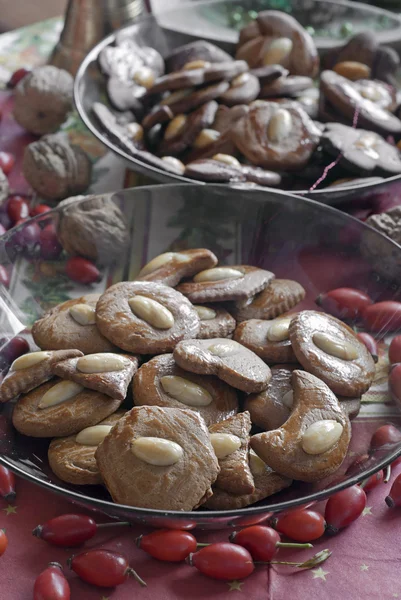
148 390
226 283
361 151
181 485
285 87
75 463
292 449
84 409
183 101
350 375
230 361
279 297
200 50
268 339
243 89
213 171
169 268
173 317
58 330
382 94
276 136
215 321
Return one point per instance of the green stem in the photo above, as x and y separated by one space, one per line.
113 524
135 575
201 545
387 474
293 545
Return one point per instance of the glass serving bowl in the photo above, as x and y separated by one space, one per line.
300 239
213 20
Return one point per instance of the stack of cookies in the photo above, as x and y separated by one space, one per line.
268 115
155 387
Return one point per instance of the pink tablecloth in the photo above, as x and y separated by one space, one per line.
365 563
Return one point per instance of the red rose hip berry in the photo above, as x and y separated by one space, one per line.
82 270
17 208
386 434
344 303
167 544
383 316
223 561
71 530
370 343
16 77
262 542
50 247
39 209
7 484
300 525
7 162
103 568
51 584
394 497
344 508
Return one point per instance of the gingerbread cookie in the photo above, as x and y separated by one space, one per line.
330 350
31 370
160 382
202 51
279 297
228 360
266 481
243 89
71 325
271 408
129 62
169 268
230 441
59 408
285 87
183 101
158 458
223 168
268 339
128 135
276 136
215 321
226 283
145 317
277 38
106 373
314 440
72 458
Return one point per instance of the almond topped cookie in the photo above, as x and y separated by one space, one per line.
268 339
105 372
215 321
71 324
72 458
230 441
159 458
145 317
170 267
31 370
229 360
161 382
280 296
59 408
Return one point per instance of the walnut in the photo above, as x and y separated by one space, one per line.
384 257
94 229
43 99
55 168
4 187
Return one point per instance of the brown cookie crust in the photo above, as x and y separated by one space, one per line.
254 280
267 409
25 380
172 272
240 368
181 486
235 475
222 325
282 448
279 297
83 410
117 322
350 378
112 383
148 391
76 463
253 335
57 330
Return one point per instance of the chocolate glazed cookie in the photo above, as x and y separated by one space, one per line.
276 136
145 317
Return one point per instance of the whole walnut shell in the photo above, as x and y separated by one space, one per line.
94 229
43 99
385 258
55 168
